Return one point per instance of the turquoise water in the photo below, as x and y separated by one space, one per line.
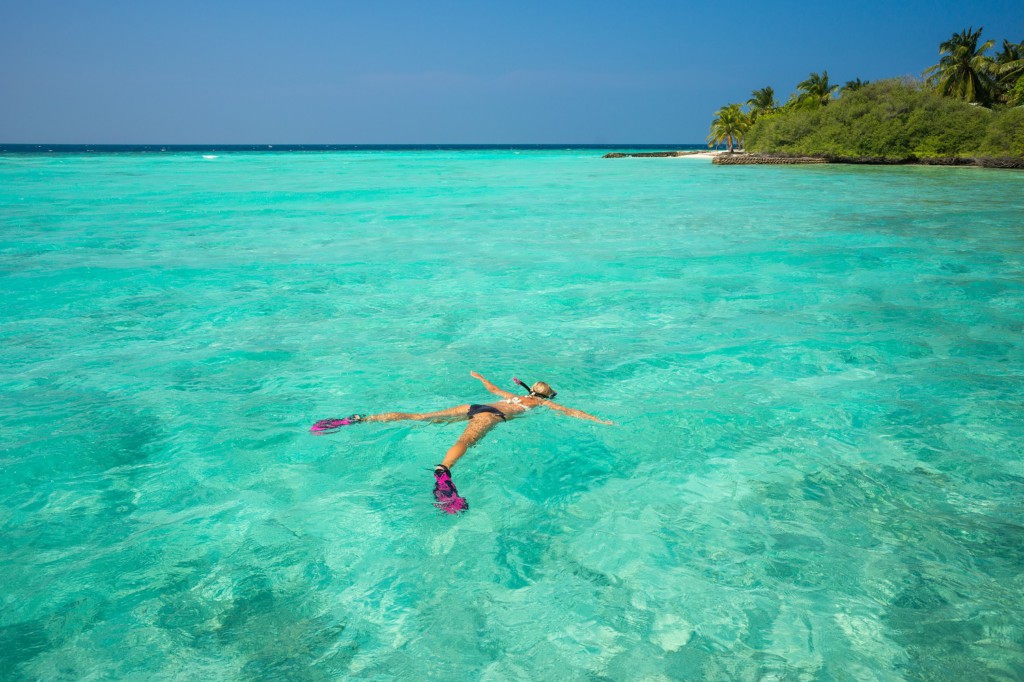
816 374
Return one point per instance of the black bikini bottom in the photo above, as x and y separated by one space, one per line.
474 410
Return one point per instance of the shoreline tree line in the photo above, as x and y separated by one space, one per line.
969 105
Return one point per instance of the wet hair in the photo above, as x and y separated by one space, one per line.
543 390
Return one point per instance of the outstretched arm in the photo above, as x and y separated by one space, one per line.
491 387
579 414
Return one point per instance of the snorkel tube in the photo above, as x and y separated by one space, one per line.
530 391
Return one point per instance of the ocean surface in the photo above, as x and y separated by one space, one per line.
816 376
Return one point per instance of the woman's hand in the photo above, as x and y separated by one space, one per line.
476 375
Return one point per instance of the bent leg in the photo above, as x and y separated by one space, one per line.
476 429
454 414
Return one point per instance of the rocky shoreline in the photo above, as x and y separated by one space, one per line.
753 159
982 162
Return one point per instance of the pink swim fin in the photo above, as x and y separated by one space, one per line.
330 425
446 496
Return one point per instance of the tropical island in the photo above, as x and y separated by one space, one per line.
966 110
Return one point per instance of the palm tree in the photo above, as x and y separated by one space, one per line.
1009 70
816 90
854 85
1011 52
963 71
730 124
762 102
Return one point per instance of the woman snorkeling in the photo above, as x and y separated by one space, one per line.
481 418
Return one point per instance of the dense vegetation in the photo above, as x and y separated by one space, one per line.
969 106
892 120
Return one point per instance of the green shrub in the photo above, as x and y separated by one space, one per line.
1015 95
1005 134
891 120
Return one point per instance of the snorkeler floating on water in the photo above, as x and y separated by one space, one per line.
482 418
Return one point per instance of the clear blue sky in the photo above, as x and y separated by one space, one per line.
394 71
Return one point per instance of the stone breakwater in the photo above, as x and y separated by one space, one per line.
763 159
623 155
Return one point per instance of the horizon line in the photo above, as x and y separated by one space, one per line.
272 145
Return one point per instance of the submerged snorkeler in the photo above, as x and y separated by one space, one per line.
481 418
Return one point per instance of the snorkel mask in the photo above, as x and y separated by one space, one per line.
532 394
